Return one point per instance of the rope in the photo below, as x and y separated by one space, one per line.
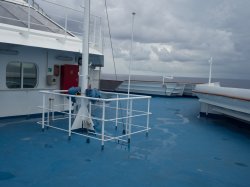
110 38
112 50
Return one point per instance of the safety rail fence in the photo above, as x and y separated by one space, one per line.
116 116
57 18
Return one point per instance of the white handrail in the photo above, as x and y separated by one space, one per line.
107 107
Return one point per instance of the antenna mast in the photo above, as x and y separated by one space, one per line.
210 70
131 52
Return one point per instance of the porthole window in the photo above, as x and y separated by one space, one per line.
21 75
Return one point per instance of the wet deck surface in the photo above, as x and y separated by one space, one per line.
181 150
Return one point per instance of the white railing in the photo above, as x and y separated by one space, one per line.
166 77
57 18
119 120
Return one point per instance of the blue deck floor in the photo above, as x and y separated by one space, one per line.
181 150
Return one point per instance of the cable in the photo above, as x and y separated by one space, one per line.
110 38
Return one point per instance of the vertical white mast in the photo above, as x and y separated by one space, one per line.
210 70
82 118
85 48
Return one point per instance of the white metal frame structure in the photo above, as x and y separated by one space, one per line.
58 35
111 105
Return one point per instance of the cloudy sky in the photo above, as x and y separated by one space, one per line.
177 37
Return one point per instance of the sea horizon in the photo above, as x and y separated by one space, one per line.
226 82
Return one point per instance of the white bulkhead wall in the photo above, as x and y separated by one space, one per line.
25 101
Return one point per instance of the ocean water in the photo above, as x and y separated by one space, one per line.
236 83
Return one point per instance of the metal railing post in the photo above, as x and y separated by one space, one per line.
148 116
43 114
130 119
52 108
103 122
90 108
48 115
125 131
64 103
70 104
116 114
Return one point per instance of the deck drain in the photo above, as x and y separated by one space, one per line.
241 164
87 160
6 175
48 146
217 158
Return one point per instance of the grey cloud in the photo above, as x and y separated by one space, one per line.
179 55
140 53
122 50
121 53
194 29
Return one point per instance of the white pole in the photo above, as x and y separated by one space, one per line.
53 113
90 108
29 17
100 39
70 104
85 48
48 113
116 113
148 111
130 119
131 52
210 70
43 114
94 31
129 68
82 115
103 123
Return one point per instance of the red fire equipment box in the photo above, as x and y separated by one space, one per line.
69 76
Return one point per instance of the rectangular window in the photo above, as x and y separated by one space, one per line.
21 75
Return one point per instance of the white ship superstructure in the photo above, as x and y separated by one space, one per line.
33 49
